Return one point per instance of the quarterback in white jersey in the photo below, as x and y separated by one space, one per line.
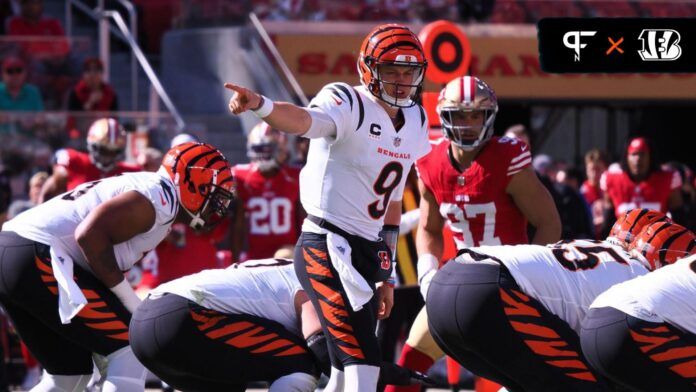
62 262
512 313
641 334
364 141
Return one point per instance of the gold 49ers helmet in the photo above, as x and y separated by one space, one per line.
467 107
392 44
203 180
106 143
267 147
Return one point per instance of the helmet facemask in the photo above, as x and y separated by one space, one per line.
104 157
264 155
214 207
467 137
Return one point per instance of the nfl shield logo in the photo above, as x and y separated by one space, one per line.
397 141
461 181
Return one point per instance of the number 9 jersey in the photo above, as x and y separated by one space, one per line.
475 201
349 179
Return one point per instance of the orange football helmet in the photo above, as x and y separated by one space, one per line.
633 222
662 243
203 179
106 143
392 45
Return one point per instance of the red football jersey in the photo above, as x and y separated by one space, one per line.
474 202
270 205
652 192
590 192
81 169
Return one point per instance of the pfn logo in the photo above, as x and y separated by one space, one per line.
660 45
575 44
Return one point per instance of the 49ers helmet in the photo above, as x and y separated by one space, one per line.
662 243
106 143
266 146
203 180
631 223
461 96
392 44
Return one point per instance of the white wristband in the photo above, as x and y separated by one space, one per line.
265 109
126 295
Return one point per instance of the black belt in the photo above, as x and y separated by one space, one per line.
324 224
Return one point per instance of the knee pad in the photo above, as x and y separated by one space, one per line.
61 383
124 372
419 337
295 382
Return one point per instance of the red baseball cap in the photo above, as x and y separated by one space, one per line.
12 61
638 144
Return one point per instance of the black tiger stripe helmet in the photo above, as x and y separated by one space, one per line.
663 243
203 179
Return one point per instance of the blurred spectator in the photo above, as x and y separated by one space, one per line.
639 182
15 93
32 22
571 176
688 192
596 163
519 131
575 215
92 93
150 159
106 142
36 183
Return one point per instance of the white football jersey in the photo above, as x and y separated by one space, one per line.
350 179
567 276
57 219
264 288
664 295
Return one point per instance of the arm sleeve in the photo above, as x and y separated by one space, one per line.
338 101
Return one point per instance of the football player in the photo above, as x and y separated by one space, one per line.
62 262
641 334
639 182
269 213
252 319
364 141
513 313
106 146
482 186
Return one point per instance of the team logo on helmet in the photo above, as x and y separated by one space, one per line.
203 179
106 143
662 243
392 45
631 223
458 105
